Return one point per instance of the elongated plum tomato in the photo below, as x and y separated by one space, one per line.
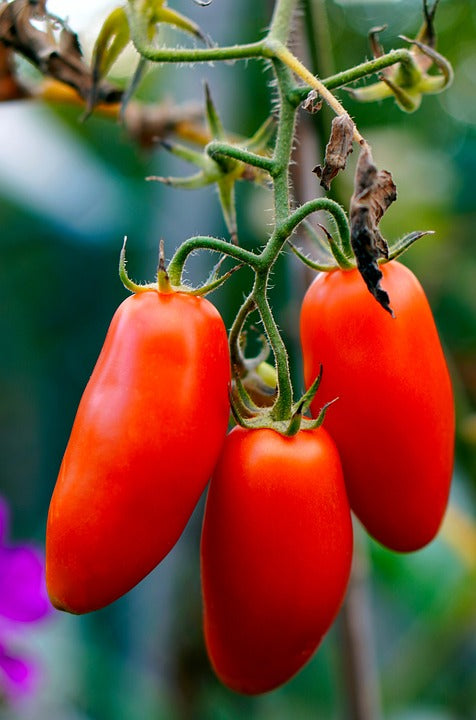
394 420
146 437
276 552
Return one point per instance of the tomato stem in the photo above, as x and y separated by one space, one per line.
223 163
176 265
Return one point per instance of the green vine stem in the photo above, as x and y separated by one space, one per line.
175 268
216 148
282 409
285 223
285 55
138 30
358 72
280 26
286 67
246 309
338 215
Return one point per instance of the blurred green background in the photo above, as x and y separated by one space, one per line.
69 192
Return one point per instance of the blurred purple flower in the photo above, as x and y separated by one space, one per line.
23 599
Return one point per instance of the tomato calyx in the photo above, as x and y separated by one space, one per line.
252 416
410 80
163 284
326 264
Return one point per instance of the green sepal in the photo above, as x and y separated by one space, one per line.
156 11
409 81
126 280
111 41
192 182
200 159
408 100
304 403
295 423
137 76
438 82
226 194
317 422
209 286
336 247
400 246
370 93
261 139
210 170
407 75
317 266
172 17
322 247
215 125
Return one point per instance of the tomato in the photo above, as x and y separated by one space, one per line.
394 421
146 437
276 553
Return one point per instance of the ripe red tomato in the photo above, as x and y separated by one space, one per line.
276 553
146 437
394 421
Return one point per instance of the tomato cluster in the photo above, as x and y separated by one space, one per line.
276 544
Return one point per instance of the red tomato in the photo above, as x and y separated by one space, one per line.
394 420
146 437
276 552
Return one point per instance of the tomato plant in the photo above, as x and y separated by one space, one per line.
394 419
277 536
146 436
276 552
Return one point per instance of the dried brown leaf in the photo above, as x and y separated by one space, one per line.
60 59
313 103
337 150
374 192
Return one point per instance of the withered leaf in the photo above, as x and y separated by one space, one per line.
374 192
313 103
337 150
61 59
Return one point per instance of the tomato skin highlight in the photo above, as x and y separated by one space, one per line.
276 552
136 461
394 421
